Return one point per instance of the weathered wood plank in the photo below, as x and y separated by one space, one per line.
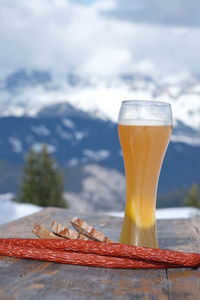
23 279
26 279
184 283
66 282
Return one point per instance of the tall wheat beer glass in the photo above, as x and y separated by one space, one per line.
144 131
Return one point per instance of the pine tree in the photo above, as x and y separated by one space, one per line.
43 182
193 196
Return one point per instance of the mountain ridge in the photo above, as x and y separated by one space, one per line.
28 92
76 140
83 135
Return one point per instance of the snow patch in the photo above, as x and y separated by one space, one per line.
40 130
168 213
98 192
63 134
11 210
68 123
73 162
38 147
16 144
79 135
95 155
186 139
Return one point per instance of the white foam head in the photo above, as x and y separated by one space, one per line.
141 122
145 113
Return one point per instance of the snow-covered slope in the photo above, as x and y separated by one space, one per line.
76 141
27 93
11 210
69 116
168 213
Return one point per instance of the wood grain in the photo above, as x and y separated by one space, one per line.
184 283
25 279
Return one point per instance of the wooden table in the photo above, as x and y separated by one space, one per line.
22 279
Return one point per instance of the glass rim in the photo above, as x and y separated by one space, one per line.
145 102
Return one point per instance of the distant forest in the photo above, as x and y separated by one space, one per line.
181 197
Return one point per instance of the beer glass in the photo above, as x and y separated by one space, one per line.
144 129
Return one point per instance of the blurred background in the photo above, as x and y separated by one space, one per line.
65 67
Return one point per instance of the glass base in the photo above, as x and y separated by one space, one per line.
138 236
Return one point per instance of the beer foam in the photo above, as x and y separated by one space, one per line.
140 122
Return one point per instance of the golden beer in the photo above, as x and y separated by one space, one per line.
143 148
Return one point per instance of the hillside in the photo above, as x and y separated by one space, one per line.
81 132
88 150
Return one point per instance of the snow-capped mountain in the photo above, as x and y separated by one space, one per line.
77 139
77 120
26 93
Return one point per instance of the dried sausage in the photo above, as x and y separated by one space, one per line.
77 258
178 258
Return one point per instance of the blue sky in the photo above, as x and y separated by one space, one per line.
104 38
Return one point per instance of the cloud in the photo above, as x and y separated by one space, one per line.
65 37
168 13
